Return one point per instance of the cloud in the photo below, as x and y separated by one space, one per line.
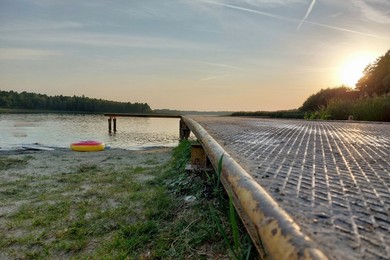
221 65
105 40
26 54
213 77
375 10
348 30
336 15
49 2
37 25
151 10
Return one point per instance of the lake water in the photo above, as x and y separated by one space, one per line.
60 130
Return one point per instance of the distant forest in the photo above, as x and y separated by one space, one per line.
33 101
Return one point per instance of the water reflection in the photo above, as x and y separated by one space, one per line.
59 130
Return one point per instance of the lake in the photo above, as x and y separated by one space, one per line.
60 130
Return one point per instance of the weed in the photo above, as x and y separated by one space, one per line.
139 169
158 204
241 248
152 161
367 109
83 168
7 162
130 238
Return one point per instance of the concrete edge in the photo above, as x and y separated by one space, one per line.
272 230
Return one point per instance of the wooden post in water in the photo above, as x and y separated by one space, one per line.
109 124
114 119
184 131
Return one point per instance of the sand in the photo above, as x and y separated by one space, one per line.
64 160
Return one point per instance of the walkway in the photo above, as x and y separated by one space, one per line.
332 178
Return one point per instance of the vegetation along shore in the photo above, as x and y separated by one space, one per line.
33 101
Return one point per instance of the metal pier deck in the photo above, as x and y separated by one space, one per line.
331 178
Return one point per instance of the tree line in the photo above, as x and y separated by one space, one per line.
374 82
34 101
369 101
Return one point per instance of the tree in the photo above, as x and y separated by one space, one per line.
376 78
321 98
25 100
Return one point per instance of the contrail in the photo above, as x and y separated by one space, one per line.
307 14
296 20
214 77
252 11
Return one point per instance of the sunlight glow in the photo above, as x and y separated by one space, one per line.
352 68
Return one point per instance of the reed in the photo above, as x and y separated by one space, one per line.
371 109
363 109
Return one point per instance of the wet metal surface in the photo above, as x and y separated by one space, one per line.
332 178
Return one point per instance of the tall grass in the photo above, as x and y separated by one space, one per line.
241 248
365 109
293 113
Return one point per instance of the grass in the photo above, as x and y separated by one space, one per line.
240 245
6 163
293 113
80 214
364 109
95 213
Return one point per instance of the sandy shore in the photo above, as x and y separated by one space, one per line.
64 160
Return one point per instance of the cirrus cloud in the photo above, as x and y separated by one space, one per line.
26 54
375 10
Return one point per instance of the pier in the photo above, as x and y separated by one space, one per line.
112 118
305 189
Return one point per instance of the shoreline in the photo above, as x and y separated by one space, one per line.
45 194
63 160
61 130
21 149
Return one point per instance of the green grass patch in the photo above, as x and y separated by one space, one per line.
139 169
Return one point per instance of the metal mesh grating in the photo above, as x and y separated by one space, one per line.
333 178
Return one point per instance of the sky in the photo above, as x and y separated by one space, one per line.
208 55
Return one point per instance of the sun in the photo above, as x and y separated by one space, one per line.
352 68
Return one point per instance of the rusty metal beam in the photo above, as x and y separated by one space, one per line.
272 230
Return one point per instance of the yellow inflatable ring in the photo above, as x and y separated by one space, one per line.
87 146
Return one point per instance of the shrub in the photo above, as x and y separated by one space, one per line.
323 97
366 109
